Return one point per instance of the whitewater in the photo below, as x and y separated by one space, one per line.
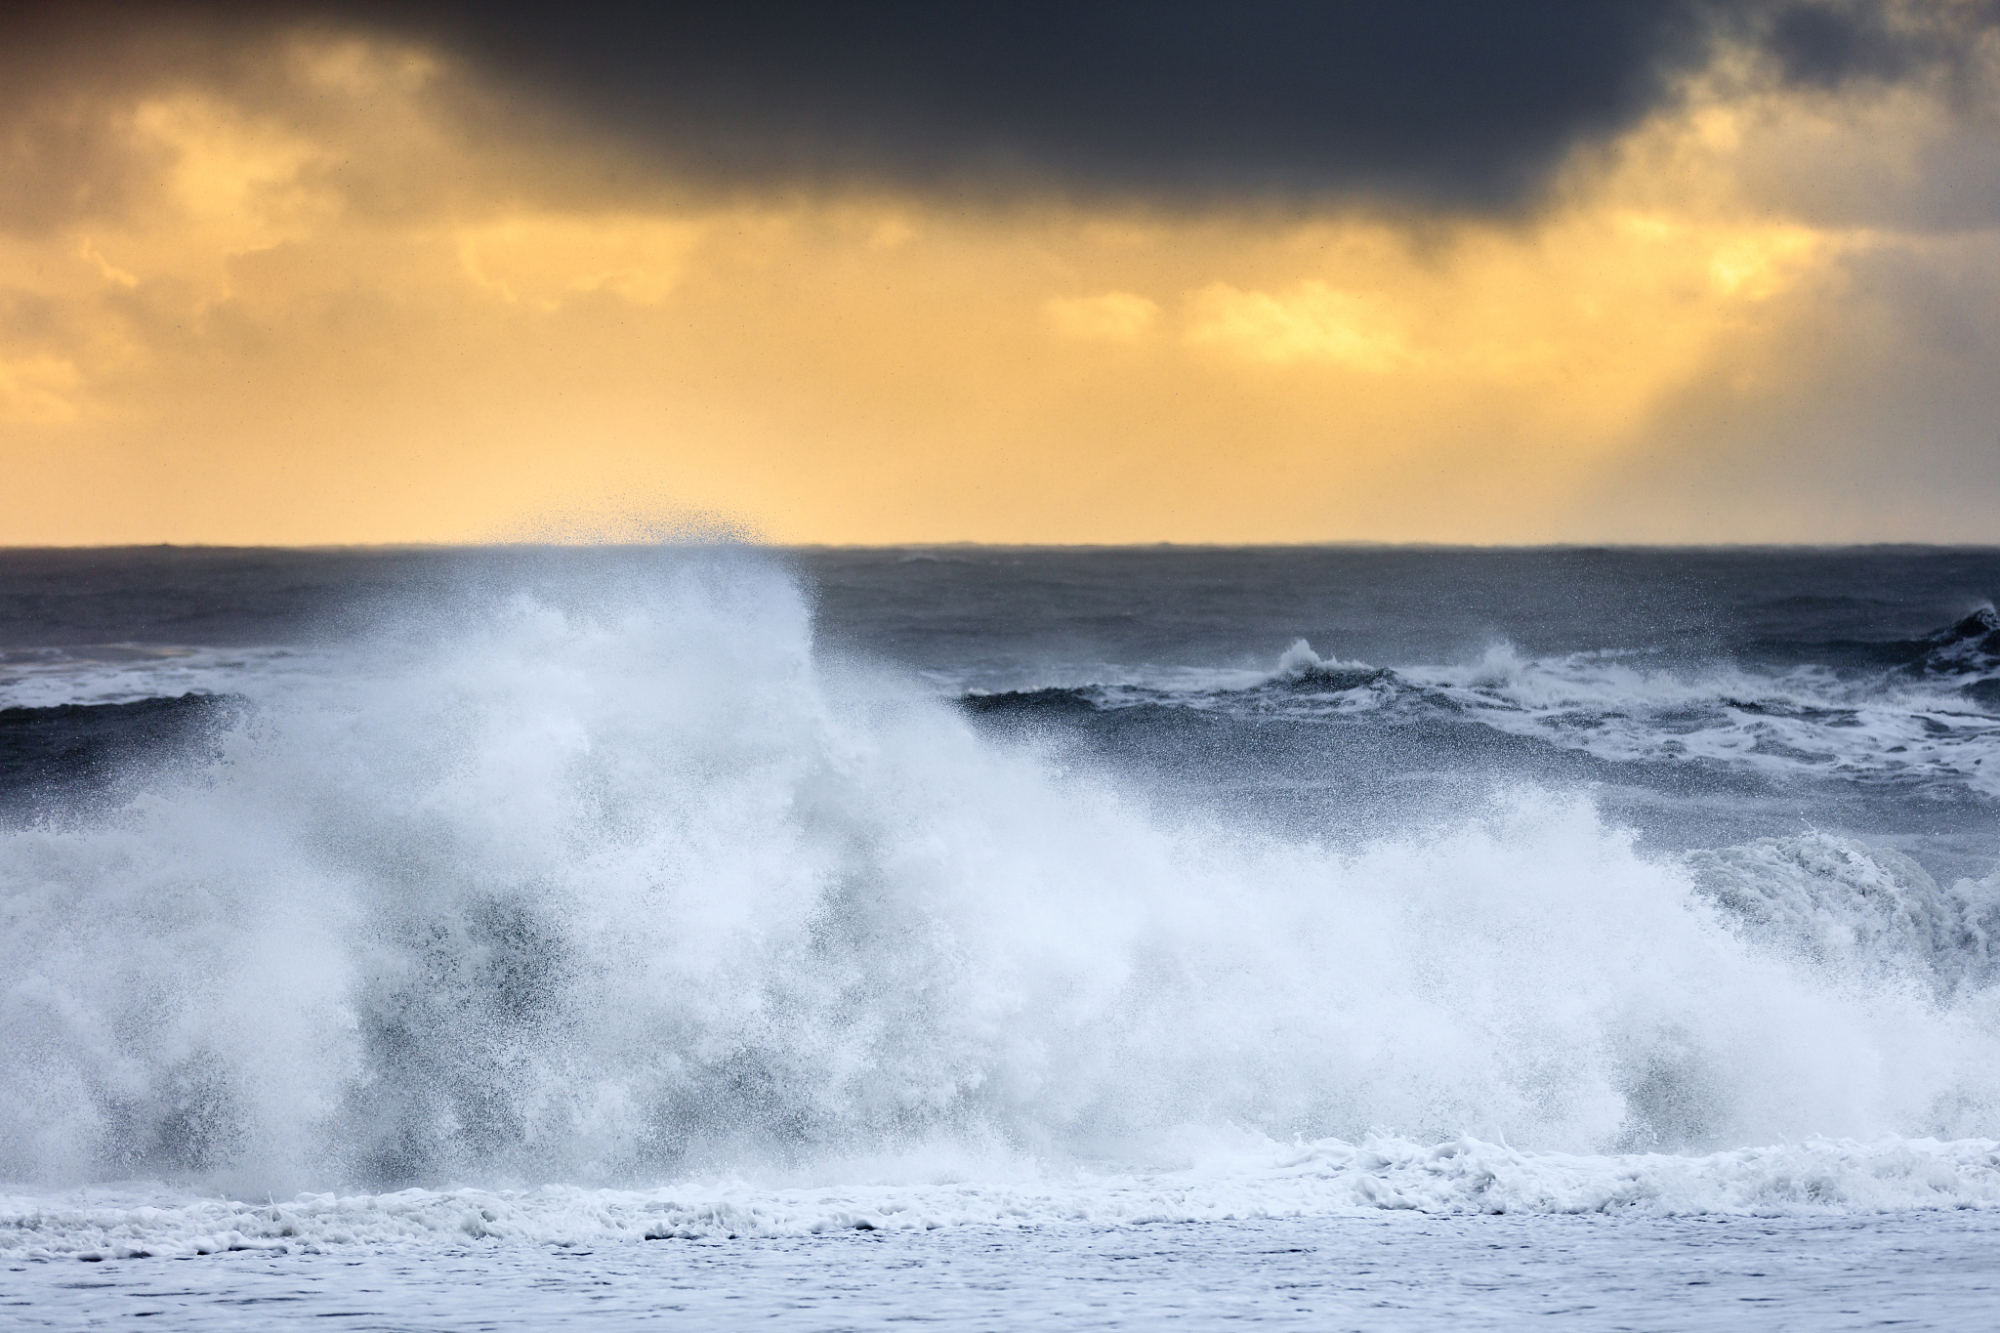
512 937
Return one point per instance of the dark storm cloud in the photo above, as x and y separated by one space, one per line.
1462 102
1835 42
1453 103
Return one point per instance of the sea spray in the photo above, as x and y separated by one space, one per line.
590 875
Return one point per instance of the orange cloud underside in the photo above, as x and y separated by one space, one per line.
394 319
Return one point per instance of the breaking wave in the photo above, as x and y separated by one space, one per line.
583 879
1931 716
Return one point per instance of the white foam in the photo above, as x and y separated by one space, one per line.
610 881
121 673
1461 1176
1857 912
1800 721
1797 721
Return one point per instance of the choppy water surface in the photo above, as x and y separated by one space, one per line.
1152 934
1392 1270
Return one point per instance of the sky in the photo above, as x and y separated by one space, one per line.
1435 271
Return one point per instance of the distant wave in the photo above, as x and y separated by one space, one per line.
54 752
1932 716
1968 651
132 673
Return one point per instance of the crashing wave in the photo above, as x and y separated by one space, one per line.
1300 666
1968 647
1854 911
607 882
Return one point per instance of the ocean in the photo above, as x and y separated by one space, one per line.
706 934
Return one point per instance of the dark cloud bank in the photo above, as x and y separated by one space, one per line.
1460 100
1461 103
1453 103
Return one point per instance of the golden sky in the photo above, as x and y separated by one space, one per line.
344 286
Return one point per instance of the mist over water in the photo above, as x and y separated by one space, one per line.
593 869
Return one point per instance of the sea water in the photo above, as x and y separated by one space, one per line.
1363 938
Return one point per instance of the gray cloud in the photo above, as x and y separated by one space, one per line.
1833 43
1882 424
1460 104
1451 102
1455 103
